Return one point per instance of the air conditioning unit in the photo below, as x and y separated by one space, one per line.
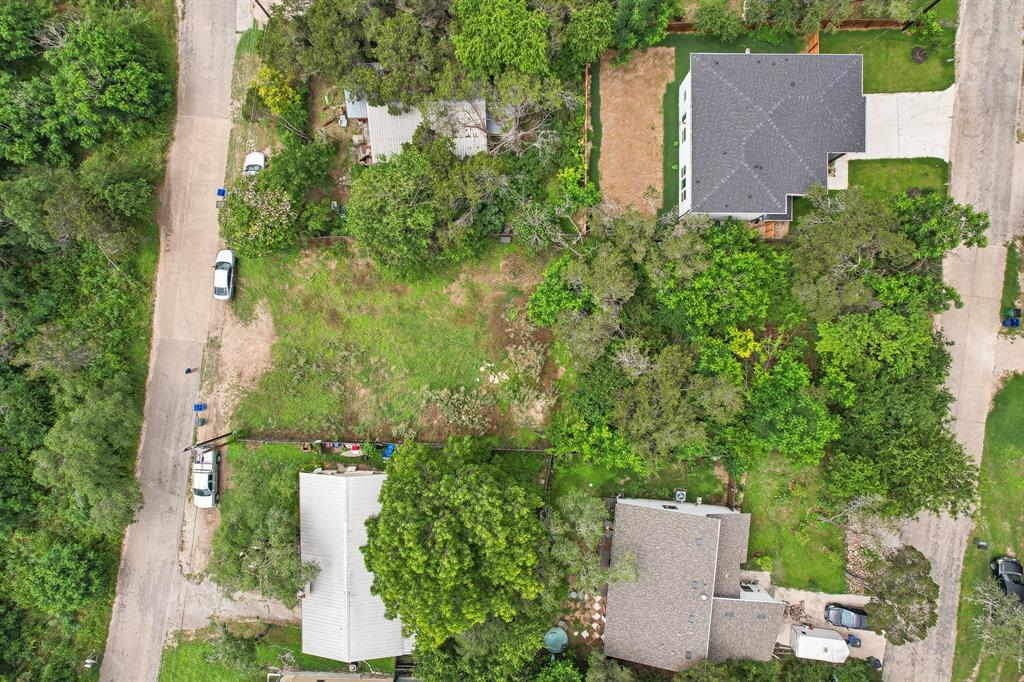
680 496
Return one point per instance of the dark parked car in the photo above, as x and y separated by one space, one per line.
1009 573
846 616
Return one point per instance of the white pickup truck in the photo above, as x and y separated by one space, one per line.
205 492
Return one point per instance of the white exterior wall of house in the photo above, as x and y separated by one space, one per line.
678 507
685 146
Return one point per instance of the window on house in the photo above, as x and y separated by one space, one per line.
683 174
682 133
682 183
683 195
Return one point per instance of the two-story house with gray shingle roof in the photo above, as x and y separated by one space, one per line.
757 130
688 604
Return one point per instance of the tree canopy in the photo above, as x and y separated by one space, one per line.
455 543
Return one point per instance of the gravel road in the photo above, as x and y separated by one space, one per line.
153 599
987 170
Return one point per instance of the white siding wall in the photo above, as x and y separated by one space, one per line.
685 147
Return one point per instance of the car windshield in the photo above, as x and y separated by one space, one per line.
1015 578
253 168
220 291
223 266
202 493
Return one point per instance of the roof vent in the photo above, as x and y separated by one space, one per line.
694 584
689 655
730 614
792 84
691 618
762 616
703 597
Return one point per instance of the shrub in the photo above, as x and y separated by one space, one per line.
257 219
715 18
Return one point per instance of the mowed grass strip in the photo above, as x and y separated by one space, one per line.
888 66
881 178
997 522
185 661
356 351
805 552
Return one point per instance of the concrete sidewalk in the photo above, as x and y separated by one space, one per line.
902 125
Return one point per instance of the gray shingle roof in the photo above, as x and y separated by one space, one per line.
662 620
763 126
732 551
744 628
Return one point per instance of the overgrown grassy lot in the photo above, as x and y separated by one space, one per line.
280 646
356 354
697 479
684 45
887 63
882 178
998 522
799 549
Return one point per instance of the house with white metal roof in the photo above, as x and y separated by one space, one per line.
465 122
341 620
757 130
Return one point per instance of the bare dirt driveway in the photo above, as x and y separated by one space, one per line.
153 598
987 170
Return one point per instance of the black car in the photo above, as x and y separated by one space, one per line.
1009 573
846 617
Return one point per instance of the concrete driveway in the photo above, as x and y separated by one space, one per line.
902 125
872 643
153 599
987 170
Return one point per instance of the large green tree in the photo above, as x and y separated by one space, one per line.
903 594
503 35
455 543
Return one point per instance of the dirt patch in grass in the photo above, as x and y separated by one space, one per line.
237 355
632 125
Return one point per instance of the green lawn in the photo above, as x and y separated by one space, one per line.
883 177
997 521
356 352
185 661
695 479
887 63
1011 278
805 552
684 44
595 122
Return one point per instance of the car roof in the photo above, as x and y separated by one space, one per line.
200 479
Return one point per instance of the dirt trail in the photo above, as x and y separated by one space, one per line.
632 126
153 599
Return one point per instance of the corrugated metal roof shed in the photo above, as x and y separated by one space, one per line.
355 108
340 618
465 122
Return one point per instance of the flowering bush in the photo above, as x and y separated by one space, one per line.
256 219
